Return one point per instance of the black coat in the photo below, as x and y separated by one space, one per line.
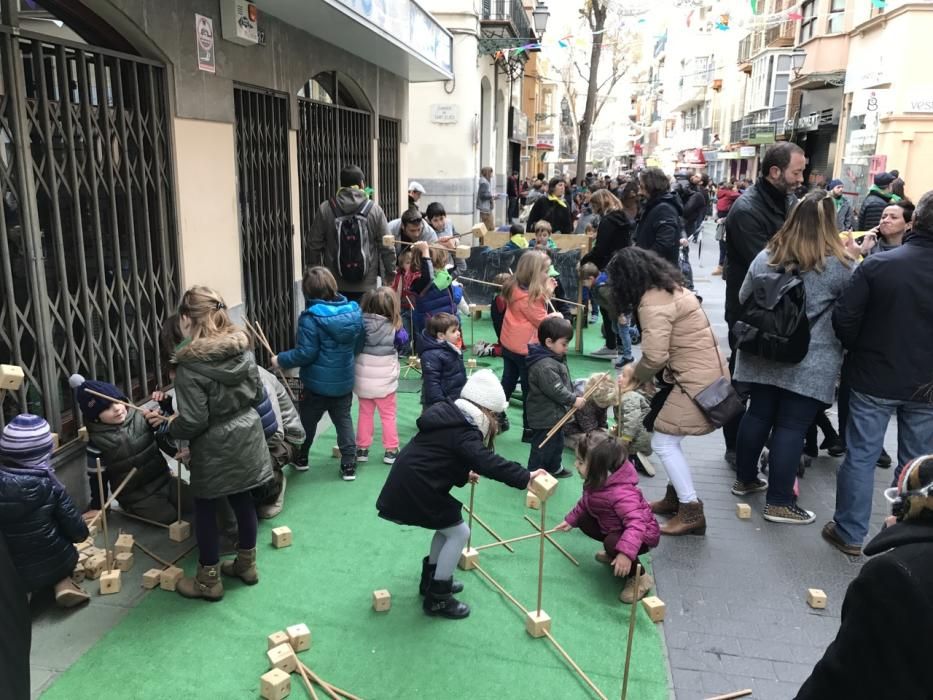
754 218
696 207
548 210
882 647
439 457
885 320
40 524
17 629
614 233
873 207
660 227
442 370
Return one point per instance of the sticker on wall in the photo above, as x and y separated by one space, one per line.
204 30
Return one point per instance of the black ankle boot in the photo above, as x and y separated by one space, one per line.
440 601
503 422
427 574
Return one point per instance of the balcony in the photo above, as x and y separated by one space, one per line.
502 18
781 35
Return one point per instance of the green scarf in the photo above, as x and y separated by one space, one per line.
442 279
889 196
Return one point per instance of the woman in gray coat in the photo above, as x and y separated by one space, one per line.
785 397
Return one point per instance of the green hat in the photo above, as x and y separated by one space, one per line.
552 272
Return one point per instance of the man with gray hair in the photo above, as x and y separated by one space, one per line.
884 321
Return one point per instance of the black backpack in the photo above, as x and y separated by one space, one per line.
773 321
352 233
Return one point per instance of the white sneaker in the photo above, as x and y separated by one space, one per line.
604 352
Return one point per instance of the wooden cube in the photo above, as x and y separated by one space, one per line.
275 684
382 600
388 240
94 530
743 511
283 657
281 537
11 377
543 486
124 561
471 364
299 636
78 574
462 252
82 434
124 544
655 608
276 638
151 578
536 624
469 558
179 531
532 501
816 598
82 557
335 452
110 582
169 577
94 566
84 545
479 230
56 441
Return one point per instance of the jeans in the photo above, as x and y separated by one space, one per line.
624 334
364 426
514 369
855 480
549 456
785 416
722 253
207 533
313 407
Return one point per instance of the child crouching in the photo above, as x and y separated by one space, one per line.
614 511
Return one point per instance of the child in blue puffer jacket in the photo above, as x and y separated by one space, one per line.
435 290
330 336
442 371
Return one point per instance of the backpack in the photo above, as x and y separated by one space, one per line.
352 233
773 320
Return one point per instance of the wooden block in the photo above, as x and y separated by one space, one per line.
78 574
94 530
536 624
151 578
82 557
462 252
816 598
471 364
276 638
743 511
532 501
85 545
281 537
275 684
388 240
179 531
655 608
56 441
479 229
283 657
94 566
543 486
11 377
299 636
124 543
169 577
124 561
82 434
382 600
469 558
110 582
335 452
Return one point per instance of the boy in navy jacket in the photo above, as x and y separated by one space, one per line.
443 373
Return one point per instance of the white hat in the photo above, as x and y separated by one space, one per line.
416 187
484 389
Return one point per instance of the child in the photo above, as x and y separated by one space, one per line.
405 276
217 388
588 274
543 240
614 511
443 373
454 443
594 416
435 289
616 327
497 309
376 381
517 240
550 393
38 519
330 335
636 439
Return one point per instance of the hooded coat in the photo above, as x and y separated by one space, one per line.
589 418
613 234
377 366
552 211
660 227
442 370
725 198
217 389
550 391
447 447
873 207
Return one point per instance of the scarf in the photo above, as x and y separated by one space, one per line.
473 414
558 200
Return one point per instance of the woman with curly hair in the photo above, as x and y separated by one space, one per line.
680 349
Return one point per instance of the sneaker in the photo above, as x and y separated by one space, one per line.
730 458
348 472
884 461
562 474
594 318
835 448
389 456
831 535
602 557
362 454
741 488
622 361
604 352
790 515
300 465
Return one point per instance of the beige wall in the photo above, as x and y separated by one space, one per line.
207 207
826 54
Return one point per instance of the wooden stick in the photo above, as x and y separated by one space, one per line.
281 374
151 555
573 663
491 531
499 286
504 592
567 416
631 630
261 337
515 539
113 400
113 496
141 519
178 477
541 536
325 686
470 511
399 241
732 696
307 681
579 320
103 518
554 542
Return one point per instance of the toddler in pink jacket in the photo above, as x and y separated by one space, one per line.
614 511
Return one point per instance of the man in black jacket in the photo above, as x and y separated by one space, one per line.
660 227
878 197
17 629
883 320
697 205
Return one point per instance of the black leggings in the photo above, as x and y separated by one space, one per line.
207 533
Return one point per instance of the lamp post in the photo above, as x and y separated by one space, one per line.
797 59
539 17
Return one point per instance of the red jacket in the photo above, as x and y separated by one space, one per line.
402 285
725 198
522 319
620 509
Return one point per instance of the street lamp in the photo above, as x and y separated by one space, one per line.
797 59
539 17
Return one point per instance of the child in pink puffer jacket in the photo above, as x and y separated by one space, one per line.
614 511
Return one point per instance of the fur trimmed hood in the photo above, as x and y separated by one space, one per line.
218 347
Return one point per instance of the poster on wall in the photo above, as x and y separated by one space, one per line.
204 32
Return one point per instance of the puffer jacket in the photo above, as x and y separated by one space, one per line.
634 409
621 510
330 334
217 389
550 391
873 207
725 198
40 523
377 365
430 301
660 226
270 424
522 318
676 338
286 415
442 370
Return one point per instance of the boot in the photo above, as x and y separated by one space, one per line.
68 594
688 521
439 600
667 505
206 584
243 567
427 575
630 595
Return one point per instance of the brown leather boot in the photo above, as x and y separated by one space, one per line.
667 505
243 567
206 584
688 521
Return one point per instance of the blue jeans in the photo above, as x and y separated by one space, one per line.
855 481
785 416
624 334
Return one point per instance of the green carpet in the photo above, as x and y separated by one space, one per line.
168 647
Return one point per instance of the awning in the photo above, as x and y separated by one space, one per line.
398 36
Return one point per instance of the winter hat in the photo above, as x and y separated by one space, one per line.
884 179
912 497
92 406
484 389
833 183
26 441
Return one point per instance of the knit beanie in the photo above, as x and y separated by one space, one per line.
833 184
484 389
92 406
884 179
26 441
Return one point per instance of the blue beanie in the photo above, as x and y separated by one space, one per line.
884 179
26 441
833 183
92 406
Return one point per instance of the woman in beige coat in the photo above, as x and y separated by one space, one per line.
680 349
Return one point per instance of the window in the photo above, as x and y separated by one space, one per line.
837 12
808 22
